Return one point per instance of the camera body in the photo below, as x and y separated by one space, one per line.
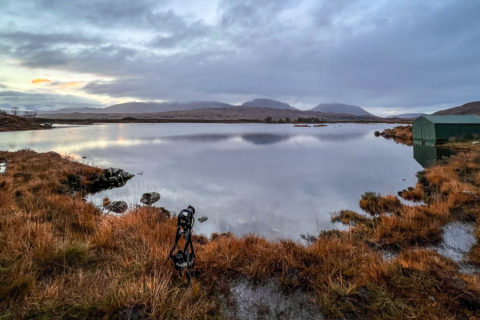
186 219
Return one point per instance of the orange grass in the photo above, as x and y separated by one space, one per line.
61 258
400 134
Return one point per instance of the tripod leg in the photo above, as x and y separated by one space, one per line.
177 237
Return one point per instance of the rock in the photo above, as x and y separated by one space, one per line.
117 177
117 206
110 178
150 198
202 219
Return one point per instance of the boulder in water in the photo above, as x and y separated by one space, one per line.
150 198
110 178
117 206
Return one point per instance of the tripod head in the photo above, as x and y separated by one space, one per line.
185 218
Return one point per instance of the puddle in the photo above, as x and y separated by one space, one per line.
458 239
267 301
3 166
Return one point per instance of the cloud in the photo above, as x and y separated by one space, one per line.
67 84
40 80
407 54
42 101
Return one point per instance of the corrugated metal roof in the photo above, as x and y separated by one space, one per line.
464 118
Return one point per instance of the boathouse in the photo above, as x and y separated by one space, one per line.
433 130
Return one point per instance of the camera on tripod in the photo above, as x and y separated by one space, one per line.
184 259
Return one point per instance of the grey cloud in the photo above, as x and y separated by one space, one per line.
39 101
371 53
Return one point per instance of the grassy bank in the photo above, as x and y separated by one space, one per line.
400 134
61 258
14 123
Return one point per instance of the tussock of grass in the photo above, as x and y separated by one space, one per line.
400 134
61 258
376 204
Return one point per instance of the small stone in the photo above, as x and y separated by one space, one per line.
117 206
202 219
150 198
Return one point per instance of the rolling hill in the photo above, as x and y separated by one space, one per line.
147 107
341 108
267 103
407 115
467 108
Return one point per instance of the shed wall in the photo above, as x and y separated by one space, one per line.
423 132
445 132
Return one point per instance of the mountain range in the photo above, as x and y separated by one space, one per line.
407 115
147 107
341 108
153 107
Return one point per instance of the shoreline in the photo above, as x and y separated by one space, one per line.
76 261
137 120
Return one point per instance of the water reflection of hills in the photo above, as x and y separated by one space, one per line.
428 155
264 138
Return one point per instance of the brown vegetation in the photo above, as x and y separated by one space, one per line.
14 123
61 258
400 134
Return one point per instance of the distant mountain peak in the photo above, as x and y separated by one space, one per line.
341 108
407 115
267 103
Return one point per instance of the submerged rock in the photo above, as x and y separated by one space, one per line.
150 198
117 206
110 178
202 219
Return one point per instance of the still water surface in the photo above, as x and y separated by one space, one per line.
278 181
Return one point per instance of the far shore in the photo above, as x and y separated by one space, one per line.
140 120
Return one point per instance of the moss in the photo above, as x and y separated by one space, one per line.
67 311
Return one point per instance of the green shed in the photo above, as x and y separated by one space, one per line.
433 130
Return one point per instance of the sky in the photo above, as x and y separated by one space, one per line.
388 56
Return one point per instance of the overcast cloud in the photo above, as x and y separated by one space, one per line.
396 55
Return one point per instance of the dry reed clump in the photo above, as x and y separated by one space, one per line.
413 194
400 134
61 258
376 204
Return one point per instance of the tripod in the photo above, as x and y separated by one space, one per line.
183 260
